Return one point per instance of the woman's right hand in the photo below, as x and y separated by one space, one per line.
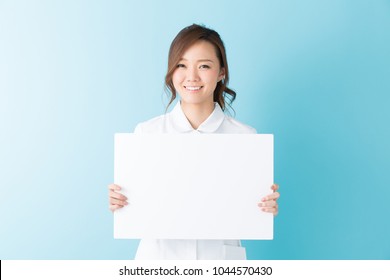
115 198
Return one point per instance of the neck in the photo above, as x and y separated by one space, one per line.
197 113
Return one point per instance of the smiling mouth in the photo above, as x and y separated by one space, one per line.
193 88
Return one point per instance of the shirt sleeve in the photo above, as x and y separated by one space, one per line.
253 130
138 129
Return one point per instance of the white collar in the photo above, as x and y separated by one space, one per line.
210 125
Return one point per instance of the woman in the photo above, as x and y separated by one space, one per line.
198 72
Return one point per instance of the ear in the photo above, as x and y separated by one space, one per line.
221 74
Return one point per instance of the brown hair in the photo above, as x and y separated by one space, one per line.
186 38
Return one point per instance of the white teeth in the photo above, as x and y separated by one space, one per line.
193 88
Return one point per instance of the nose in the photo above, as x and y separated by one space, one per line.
192 75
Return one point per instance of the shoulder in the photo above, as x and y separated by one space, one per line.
231 125
153 125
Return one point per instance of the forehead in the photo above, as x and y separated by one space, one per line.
200 50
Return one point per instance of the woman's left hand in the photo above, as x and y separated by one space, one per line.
269 203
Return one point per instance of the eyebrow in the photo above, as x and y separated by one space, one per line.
200 60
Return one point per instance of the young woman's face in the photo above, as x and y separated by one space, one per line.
197 74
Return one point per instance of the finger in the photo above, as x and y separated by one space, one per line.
114 207
275 187
114 201
272 196
117 195
272 210
114 187
270 203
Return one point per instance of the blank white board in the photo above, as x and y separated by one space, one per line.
193 186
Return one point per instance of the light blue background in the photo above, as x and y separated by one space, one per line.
314 73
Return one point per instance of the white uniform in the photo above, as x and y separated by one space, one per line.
176 122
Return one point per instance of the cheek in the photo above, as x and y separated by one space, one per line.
177 77
211 77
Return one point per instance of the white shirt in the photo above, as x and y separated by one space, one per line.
176 122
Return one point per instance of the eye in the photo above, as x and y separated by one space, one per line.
180 65
204 66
